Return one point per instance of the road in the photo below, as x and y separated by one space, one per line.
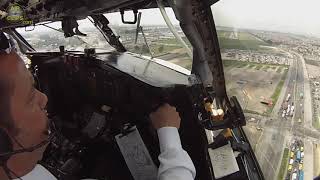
305 113
307 93
278 132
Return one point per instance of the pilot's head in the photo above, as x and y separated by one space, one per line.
22 111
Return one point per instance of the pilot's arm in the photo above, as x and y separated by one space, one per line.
175 162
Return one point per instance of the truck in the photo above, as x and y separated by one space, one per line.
301 175
288 97
298 155
294 176
283 113
288 109
292 111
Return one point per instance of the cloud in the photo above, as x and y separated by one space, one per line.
293 16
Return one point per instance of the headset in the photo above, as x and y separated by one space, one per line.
6 145
6 150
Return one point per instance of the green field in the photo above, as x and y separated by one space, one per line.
258 67
156 49
250 65
265 68
245 41
279 70
234 63
284 164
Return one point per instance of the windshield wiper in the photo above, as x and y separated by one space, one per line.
101 23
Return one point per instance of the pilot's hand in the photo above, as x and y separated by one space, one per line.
165 116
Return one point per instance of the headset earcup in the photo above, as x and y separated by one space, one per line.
5 146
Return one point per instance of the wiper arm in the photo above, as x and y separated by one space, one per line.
101 22
60 31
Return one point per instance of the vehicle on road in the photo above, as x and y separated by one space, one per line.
292 153
301 148
259 128
291 161
288 97
298 156
301 175
289 167
302 154
300 166
292 111
283 113
294 176
288 110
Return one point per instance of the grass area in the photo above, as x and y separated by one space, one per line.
244 41
251 66
258 67
251 112
156 49
284 164
279 70
167 41
277 92
235 63
242 65
265 68
173 41
227 63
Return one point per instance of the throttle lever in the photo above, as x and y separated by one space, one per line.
163 97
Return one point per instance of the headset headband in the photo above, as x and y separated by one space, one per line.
6 45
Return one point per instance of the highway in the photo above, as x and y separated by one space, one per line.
304 112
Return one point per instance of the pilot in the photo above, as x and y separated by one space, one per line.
24 126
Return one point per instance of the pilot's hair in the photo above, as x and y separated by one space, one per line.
6 91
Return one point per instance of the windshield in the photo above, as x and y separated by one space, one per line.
154 38
270 52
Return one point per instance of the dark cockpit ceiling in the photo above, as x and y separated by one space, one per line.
55 10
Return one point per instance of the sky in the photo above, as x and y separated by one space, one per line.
293 16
